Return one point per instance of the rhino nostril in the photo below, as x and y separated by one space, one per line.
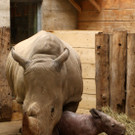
33 110
32 113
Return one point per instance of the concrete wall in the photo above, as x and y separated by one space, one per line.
4 13
58 15
114 15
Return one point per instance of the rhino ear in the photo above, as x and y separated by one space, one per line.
22 62
95 113
61 59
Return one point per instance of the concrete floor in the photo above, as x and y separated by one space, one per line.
10 128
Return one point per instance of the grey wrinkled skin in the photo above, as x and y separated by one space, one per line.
94 124
44 74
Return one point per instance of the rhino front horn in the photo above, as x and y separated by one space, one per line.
22 62
61 59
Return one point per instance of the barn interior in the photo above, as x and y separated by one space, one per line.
77 22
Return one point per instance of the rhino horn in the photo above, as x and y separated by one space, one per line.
61 59
22 62
30 125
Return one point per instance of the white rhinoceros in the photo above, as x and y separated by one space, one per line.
45 75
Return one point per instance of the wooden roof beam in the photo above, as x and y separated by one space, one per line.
95 4
75 5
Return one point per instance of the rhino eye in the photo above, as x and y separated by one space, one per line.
113 125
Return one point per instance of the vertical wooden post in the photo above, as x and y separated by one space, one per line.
102 70
5 92
130 99
118 56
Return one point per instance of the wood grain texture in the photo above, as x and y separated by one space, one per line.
88 101
88 71
89 86
5 92
130 100
86 55
114 15
102 70
108 26
108 15
118 56
77 38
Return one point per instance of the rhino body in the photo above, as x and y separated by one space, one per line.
84 124
45 76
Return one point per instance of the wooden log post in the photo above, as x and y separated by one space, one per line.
102 70
5 92
118 57
130 99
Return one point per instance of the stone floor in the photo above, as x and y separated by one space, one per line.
10 128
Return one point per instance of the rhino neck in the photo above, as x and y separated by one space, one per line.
96 126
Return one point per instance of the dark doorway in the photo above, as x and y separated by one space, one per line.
25 20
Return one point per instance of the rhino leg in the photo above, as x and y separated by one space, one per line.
72 106
56 131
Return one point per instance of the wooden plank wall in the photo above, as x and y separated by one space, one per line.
114 15
5 93
84 43
115 71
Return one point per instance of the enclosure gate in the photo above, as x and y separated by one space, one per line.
115 71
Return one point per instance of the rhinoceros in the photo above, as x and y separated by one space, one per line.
45 76
85 124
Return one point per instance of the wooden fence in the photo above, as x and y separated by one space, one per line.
5 92
115 71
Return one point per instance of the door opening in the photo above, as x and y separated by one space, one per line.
25 19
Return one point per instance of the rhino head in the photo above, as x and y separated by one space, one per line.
107 124
43 99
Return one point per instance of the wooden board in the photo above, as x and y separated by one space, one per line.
102 70
89 86
80 39
88 71
86 55
88 101
108 15
83 111
107 26
118 56
109 5
130 100
5 92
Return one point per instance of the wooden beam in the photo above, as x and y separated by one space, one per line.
75 5
102 70
117 70
95 4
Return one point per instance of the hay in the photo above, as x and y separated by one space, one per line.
122 118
